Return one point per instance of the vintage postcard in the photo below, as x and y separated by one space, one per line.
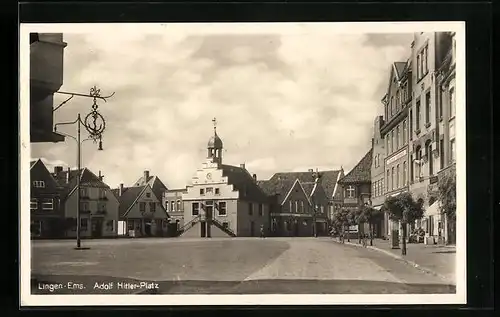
242 164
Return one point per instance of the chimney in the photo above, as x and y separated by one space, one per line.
57 170
254 177
146 176
242 165
68 175
120 191
100 176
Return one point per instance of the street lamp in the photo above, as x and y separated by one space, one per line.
95 125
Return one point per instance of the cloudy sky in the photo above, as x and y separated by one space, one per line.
284 100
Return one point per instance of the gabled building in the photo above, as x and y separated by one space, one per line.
356 187
173 204
98 205
46 205
223 200
154 182
141 213
299 202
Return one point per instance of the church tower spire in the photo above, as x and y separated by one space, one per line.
215 146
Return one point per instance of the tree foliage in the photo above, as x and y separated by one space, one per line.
404 208
447 188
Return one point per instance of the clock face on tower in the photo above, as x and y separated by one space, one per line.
209 176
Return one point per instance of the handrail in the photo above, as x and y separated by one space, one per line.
189 223
221 226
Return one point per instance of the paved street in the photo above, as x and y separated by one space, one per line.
231 266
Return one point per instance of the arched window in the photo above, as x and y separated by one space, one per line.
428 153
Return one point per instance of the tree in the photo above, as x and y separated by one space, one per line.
447 193
404 209
372 216
340 219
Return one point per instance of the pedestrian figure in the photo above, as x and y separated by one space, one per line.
365 236
262 231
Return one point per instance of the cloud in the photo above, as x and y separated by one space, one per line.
282 101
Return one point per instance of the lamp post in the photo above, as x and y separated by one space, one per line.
95 124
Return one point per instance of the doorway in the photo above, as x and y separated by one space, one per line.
147 228
203 229
96 224
252 229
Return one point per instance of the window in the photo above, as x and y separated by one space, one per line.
39 184
166 205
452 103
101 208
152 207
296 206
427 107
425 60
202 191
291 206
172 205
418 162
386 112
130 225
440 109
250 209
419 67
398 99
195 209
351 192
392 178
392 106
110 225
405 170
210 190
179 205
392 142
34 204
225 225
217 191
142 206
397 138
387 145
430 158
405 132
410 121
261 210
102 193
397 176
388 177
84 192
441 153
322 209
84 224
222 208
84 206
453 150
417 116
148 195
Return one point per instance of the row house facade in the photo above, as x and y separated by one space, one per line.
46 205
356 188
173 204
418 130
300 202
397 104
141 211
223 200
98 205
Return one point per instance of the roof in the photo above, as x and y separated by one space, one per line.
128 197
244 183
155 183
280 183
400 68
87 179
215 142
361 173
33 162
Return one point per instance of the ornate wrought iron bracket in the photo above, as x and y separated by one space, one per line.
94 93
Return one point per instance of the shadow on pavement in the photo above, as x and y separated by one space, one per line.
64 284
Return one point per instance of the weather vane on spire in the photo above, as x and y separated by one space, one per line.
214 121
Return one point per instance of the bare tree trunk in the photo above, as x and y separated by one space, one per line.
403 249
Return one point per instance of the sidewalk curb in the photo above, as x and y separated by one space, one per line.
399 257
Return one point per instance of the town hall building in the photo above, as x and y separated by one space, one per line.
223 200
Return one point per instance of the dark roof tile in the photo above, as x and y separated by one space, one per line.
244 183
361 173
